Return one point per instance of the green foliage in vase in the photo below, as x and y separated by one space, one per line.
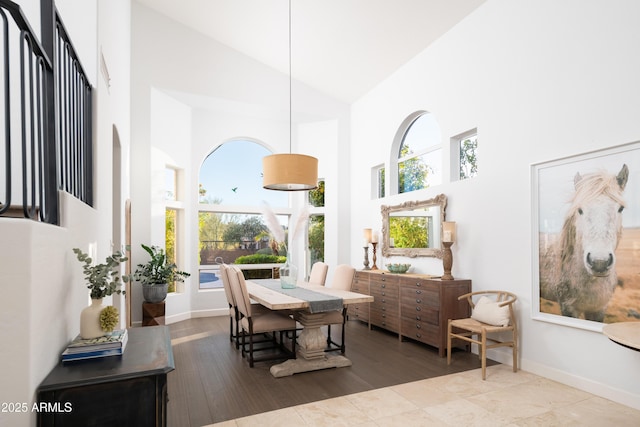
104 279
158 270
109 318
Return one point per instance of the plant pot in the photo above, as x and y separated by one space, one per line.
90 320
155 293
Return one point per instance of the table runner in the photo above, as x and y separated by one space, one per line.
318 302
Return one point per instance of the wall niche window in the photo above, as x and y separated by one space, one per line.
417 154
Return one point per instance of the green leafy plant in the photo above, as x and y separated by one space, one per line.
103 279
158 270
109 318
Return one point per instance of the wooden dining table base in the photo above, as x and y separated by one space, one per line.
311 345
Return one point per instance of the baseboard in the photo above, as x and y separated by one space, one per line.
598 389
174 318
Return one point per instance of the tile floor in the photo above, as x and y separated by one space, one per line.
504 399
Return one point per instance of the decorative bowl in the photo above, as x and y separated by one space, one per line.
398 268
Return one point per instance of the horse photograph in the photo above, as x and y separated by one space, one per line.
588 228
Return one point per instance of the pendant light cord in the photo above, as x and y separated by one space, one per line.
290 86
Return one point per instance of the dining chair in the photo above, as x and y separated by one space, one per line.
492 313
233 310
234 314
252 323
342 279
318 275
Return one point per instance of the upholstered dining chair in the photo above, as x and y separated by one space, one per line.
318 275
342 279
492 313
233 310
234 314
252 323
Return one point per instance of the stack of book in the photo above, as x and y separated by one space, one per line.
112 345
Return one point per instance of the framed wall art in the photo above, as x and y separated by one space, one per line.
586 238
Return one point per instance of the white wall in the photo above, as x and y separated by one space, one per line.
46 290
540 80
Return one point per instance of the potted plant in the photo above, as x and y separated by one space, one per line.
102 280
156 274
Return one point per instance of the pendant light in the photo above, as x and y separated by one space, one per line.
290 172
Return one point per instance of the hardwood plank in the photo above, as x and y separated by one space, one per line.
213 383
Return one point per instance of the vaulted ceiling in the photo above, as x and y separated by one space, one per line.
342 48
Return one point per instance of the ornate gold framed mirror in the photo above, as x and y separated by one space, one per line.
414 228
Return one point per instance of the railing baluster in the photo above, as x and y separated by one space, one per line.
55 141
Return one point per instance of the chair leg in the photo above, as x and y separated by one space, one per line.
344 320
449 342
514 348
483 351
250 344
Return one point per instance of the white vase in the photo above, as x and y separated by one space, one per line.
90 320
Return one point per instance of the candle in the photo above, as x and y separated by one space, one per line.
365 243
367 235
447 236
374 237
391 242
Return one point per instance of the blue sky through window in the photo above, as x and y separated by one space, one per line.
232 173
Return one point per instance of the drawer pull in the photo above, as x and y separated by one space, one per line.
418 284
417 326
384 300
418 308
418 300
384 286
419 335
384 309
418 292
384 315
418 318
384 293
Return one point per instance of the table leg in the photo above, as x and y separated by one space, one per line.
311 344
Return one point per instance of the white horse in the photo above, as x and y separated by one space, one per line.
579 270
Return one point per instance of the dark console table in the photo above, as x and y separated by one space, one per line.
127 390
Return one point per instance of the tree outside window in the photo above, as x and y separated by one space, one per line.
468 156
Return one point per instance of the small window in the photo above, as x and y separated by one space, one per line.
466 160
378 181
316 196
170 184
420 155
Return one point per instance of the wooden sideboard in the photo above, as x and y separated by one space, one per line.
414 306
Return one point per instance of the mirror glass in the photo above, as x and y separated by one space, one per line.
414 228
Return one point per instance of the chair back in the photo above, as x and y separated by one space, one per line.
224 276
501 298
318 275
343 277
240 293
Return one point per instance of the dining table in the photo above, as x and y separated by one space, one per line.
309 304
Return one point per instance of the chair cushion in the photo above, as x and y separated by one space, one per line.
488 311
333 318
269 322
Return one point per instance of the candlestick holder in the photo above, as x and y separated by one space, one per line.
447 260
374 266
366 257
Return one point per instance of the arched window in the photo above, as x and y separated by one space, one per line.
232 175
230 219
416 154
